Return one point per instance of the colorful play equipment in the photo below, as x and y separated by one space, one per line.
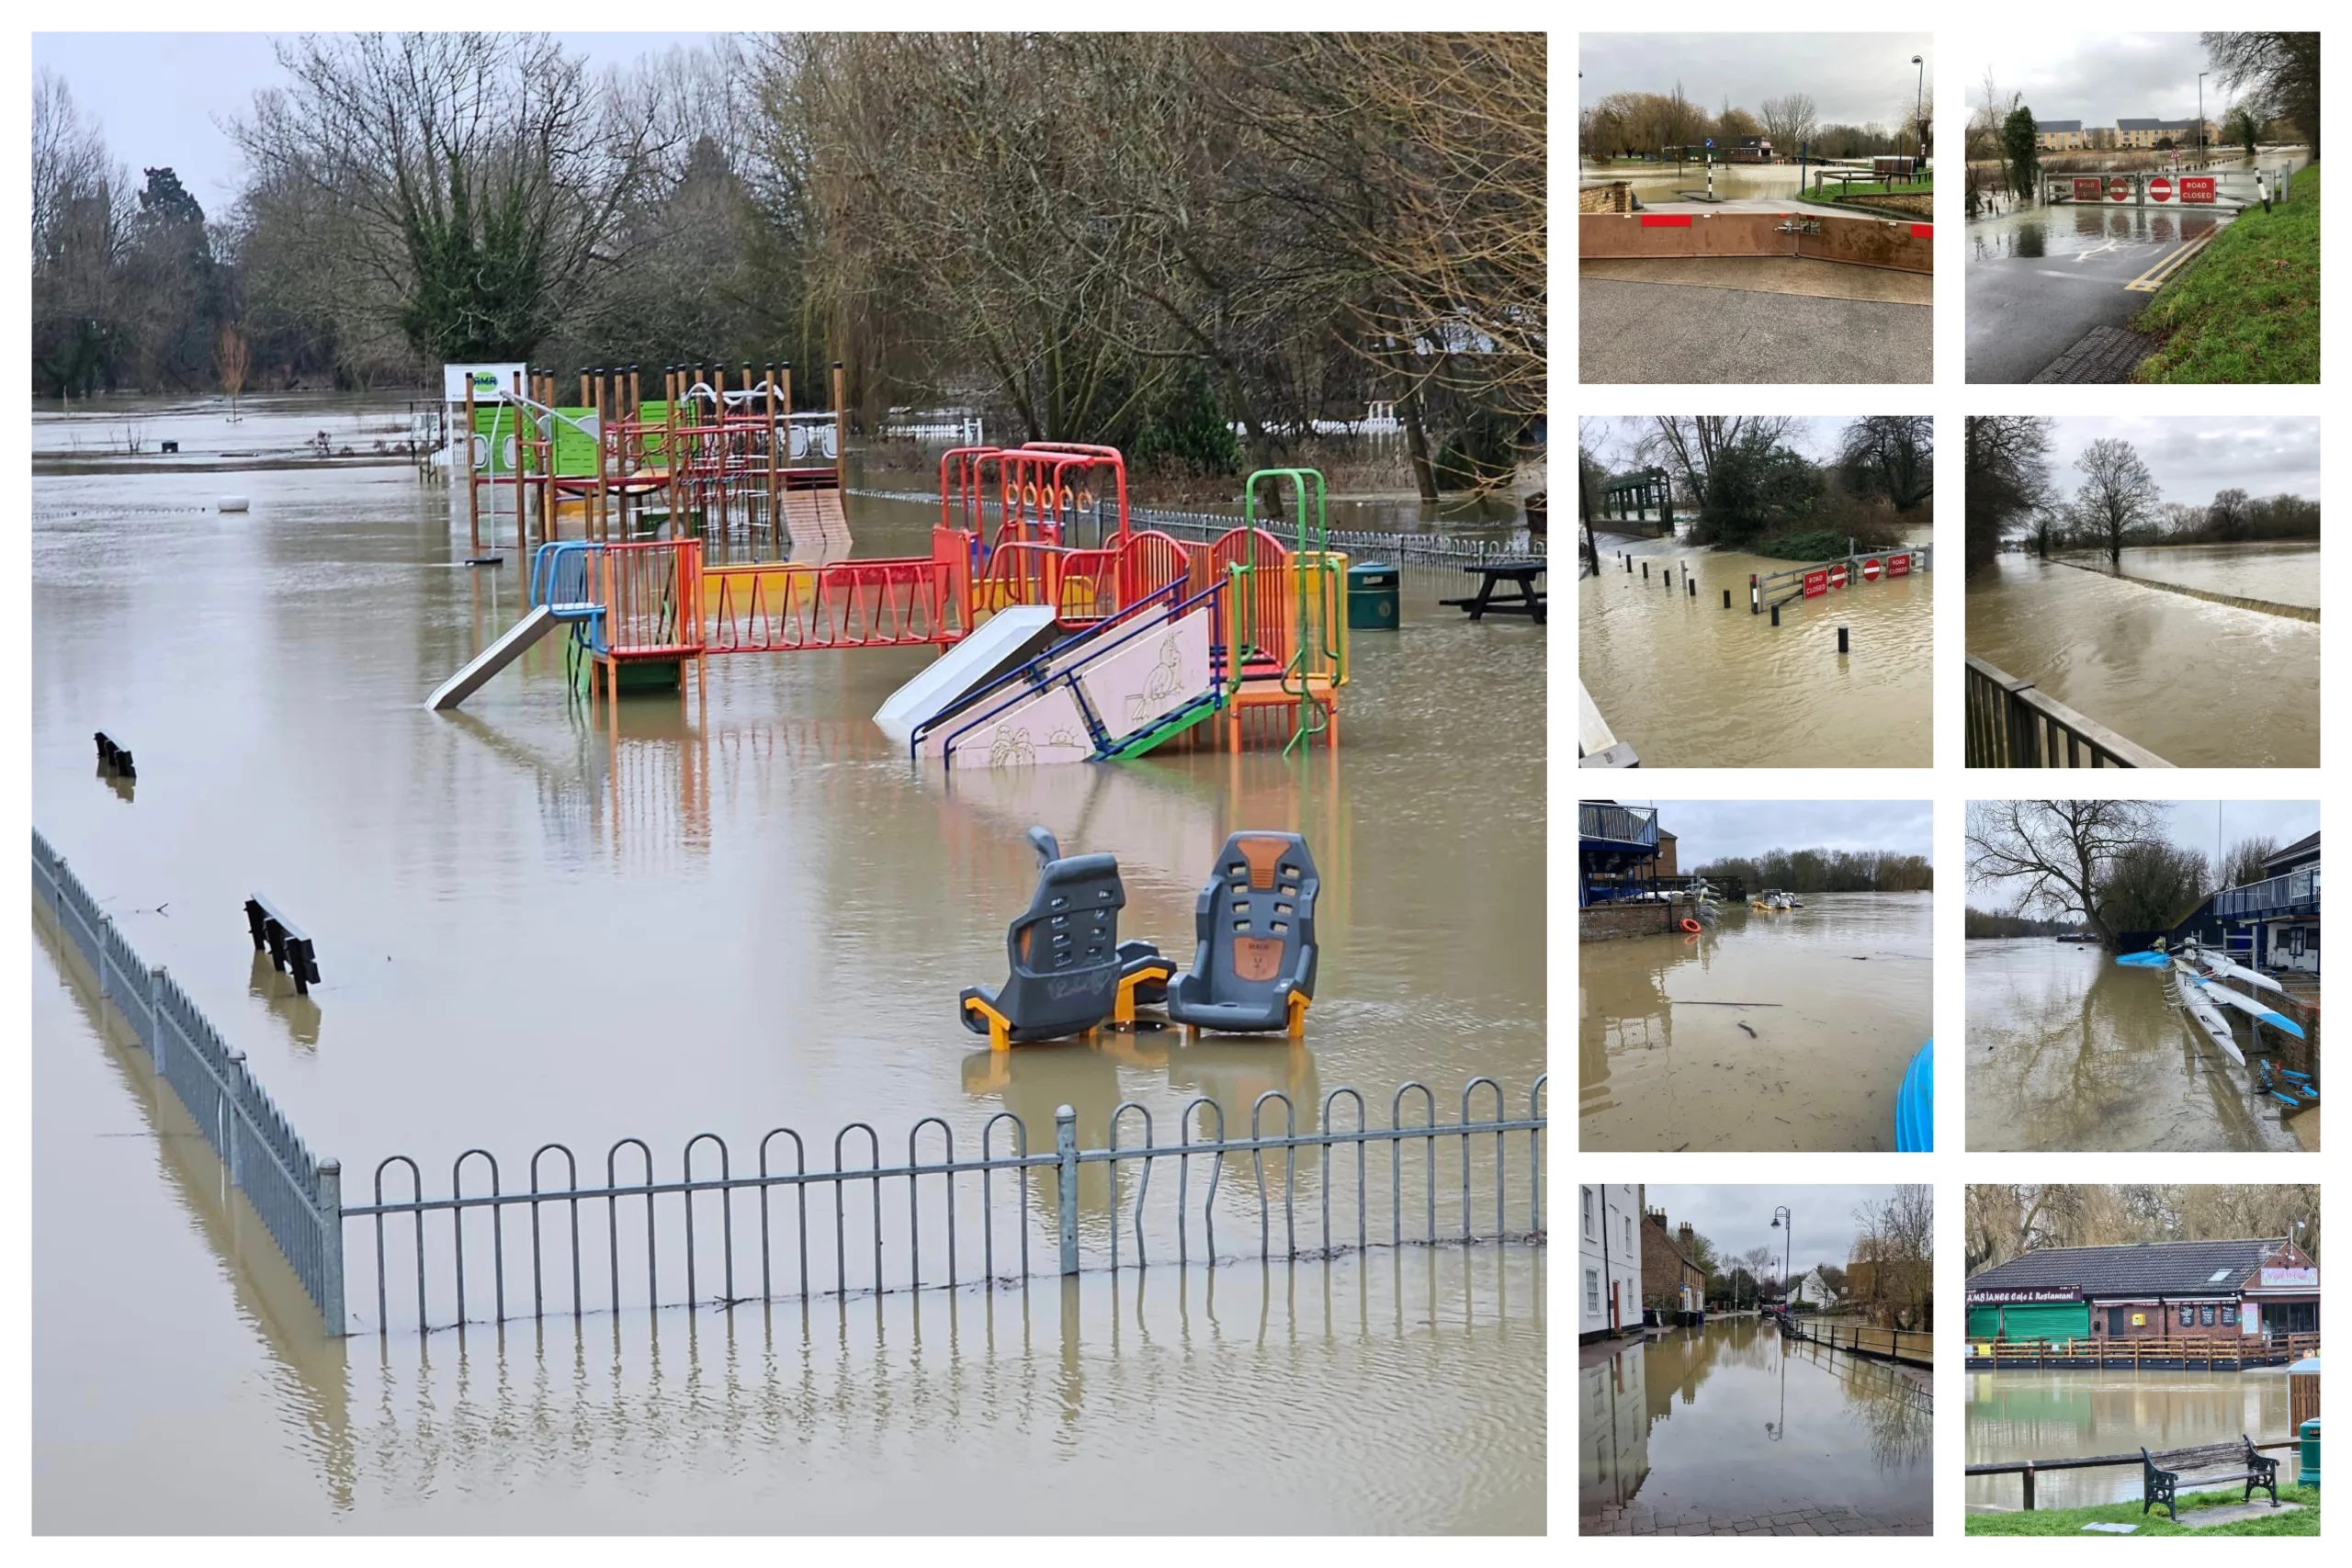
714 525
1252 971
1069 971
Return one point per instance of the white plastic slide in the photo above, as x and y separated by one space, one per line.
1005 640
492 659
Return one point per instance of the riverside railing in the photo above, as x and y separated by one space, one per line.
956 1211
1904 1345
298 1196
2011 724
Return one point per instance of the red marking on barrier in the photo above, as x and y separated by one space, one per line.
1837 575
2160 189
1666 220
2119 189
1816 584
2088 189
1923 231
1898 566
2197 188
1871 568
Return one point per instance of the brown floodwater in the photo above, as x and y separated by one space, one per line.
1689 683
181 1351
532 926
2284 571
2068 1049
1733 1421
2199 684
1838 1001
2078 1414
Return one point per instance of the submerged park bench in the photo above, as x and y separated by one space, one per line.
2163 1474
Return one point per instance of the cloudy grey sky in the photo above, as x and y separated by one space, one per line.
1736 1218
1707 830
2192 457
162 96
1854 78
2199 825
2097 78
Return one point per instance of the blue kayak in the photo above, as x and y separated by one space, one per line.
1915 1106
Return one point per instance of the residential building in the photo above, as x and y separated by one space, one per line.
2146 133
1674 1285
1814 1292
2061 136
1609 1261
2254 1286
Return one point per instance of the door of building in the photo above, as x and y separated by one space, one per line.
2118 1322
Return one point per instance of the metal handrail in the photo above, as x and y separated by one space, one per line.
2009 724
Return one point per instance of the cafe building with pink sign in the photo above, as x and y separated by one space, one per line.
2256 1288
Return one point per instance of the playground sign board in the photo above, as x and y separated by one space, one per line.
2197 188
1815 583
489 380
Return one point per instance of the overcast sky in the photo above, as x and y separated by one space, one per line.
1706 831
1854 78
2098 78
2192 457
2196 825
161 96
1736 1218
1613 438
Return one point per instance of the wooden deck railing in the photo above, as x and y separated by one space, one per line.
2210 1349
2011 724
1890 1344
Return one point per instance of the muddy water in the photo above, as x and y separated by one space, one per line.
1688 684
2155 667
2068 1049
2284 571
208 433
2067 231
1731 180
534 926
1733 1422
1839 1001
2015 1416
179 1352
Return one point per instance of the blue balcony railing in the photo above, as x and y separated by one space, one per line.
1631 825
2296 892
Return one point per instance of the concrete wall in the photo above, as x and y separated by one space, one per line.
1858 241
1604 923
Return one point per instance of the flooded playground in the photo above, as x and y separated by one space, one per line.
1777 1031
2200 684
2023 1414
1688 684
1731 1424
724 911
2069 1050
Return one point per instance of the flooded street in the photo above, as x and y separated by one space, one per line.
2021 1414
1688 684
1732 181
184 1351
2198 684
2070 230
1734 1423
730 917
1838 999
2068 1049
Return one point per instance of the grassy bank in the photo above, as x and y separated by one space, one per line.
1924 187
2070 1521
2246 309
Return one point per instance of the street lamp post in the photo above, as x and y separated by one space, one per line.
2201 118
1918 98
1789 1236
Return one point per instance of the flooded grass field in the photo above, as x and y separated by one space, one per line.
533 923
2019 1414
1731 1423
1787 1031
2284 571
2069 1050
1688 684
2158 667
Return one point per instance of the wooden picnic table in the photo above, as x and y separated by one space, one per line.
1522 571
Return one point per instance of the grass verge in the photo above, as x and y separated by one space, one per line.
2070 1521
2247 311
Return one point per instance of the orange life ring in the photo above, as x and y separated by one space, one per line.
1688 924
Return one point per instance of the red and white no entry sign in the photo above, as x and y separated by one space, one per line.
1837 575
2119 189
2160 189
1871 569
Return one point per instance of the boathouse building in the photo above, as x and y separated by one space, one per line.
2257 1289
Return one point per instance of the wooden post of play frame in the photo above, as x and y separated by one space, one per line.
604 428
840 438
775 481
522 469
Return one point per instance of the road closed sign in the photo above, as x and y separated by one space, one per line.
2197 189
1871 569
2087 189
1816 584
2119 189
1838 575
1898 566
2160 189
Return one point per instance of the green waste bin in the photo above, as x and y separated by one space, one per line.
2307 1457
1372 597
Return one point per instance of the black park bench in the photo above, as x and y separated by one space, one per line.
2163 1474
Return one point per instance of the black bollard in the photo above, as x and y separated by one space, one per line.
1726 598
1776 615
1689 586
1645 571
1841 639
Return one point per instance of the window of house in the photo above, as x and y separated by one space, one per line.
2188 1318
1629 1234
2205 1316
1592 1290
1588 1215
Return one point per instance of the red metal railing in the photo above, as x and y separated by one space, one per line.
652 598
775 607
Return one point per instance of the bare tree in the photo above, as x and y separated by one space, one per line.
2118 492
233 357
2227 518
1892 455
1689 445
2055 856
1790 121
2006 475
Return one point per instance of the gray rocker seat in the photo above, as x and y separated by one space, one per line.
1065 958
1254 969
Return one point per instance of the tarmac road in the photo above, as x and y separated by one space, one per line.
2037 280
1672 332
